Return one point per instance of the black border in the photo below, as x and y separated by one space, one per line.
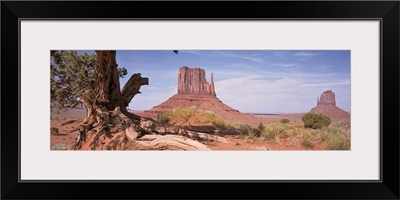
386 11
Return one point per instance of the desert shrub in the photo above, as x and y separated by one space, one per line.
245 128
337 142
275 132
314 132
293 131
342 124
284 121
219 123
251 134
183 113
315 121
327 132
307 140
260 129
335 138
163 118
197 115
247 132
257 132
333 130
324 135
209 117
54 130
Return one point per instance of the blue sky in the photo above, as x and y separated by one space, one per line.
254 81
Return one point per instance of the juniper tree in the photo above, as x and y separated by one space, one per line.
72 74
93 79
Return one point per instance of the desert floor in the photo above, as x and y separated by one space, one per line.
62 140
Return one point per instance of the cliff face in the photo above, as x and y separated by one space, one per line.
193 81
194 90
326 105
327 98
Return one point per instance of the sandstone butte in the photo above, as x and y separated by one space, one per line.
326 105
195 91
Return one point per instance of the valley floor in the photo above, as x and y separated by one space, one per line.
237 141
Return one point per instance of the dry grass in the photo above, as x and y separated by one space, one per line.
194 115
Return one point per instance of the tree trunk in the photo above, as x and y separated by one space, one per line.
108 125
107 89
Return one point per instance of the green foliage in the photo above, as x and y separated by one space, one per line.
247 132
256 132
274 132
71 75
244 129
217 122
335 138
181 113
220 124
293 131
307 140
192 113
251 134
54 131
261 127
315 121
333 130
122 72
163 118
284 121
338 142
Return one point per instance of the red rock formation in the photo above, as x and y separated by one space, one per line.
193 81
327 98
195 91
326 105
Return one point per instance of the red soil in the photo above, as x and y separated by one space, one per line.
293 142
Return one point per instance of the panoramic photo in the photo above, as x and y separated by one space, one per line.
259 100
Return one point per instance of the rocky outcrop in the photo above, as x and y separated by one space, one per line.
327 98
193 81
195 91
326 105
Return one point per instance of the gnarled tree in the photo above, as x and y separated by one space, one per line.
94 81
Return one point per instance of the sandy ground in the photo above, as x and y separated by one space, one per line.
63 140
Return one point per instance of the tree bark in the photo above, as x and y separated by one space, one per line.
107 88
108 125
132 87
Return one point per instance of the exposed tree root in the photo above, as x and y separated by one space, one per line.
108 125
155 127
71 121
124 133
168 142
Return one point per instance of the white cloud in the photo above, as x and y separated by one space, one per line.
305 54
257 93
226 54
330 84
285 65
